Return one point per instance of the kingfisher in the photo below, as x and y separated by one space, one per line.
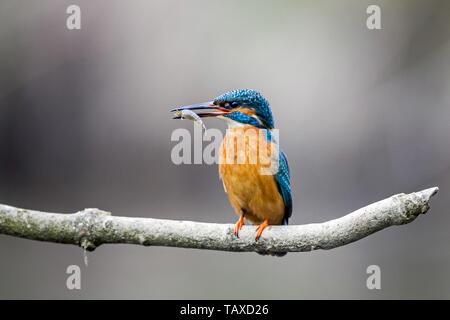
262 197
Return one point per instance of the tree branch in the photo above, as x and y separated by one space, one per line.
92 227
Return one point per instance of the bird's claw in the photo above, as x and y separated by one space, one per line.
260 229
238 226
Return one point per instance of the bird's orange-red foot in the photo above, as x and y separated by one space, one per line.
261 228
238 225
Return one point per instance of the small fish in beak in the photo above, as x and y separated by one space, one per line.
190 115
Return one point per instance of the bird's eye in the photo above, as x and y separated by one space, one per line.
228 105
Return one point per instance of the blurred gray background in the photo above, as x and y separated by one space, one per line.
362 114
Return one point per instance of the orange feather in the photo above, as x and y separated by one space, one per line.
250 193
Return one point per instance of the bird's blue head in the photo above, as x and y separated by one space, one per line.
244 106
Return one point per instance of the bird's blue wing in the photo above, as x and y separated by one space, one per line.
284 186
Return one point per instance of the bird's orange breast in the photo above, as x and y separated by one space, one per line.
249 191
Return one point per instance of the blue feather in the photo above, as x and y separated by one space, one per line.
244 118
284 186
253 99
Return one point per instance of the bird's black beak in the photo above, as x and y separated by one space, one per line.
203 110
